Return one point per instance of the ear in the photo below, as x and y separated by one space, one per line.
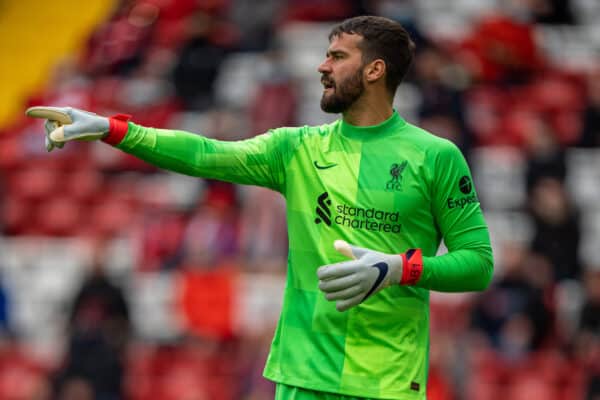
374 70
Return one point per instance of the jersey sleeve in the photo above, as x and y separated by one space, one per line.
257 161
468 265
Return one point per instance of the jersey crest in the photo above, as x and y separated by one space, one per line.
395 184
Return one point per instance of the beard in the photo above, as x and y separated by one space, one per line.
343 94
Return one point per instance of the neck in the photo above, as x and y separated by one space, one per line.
368 111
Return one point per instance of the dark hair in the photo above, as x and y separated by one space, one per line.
382 38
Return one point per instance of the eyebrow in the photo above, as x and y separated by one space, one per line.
335 53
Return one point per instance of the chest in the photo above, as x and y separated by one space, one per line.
362 185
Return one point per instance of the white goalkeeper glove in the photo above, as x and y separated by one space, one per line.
64 124
349 283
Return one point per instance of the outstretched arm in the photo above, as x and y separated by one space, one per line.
257 161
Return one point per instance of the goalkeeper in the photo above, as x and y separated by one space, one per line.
369 199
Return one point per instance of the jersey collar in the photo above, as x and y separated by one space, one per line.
387 127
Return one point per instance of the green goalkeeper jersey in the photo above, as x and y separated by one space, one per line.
389 187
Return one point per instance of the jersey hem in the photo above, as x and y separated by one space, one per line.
389 395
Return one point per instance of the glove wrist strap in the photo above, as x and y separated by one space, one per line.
118 129
412 266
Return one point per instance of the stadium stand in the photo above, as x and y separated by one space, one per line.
514 84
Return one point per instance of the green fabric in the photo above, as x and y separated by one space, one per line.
390 187
286 392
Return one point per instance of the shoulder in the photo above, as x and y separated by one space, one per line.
433 146
428 140
307 131
287 140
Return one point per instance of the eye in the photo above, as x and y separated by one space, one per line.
336 56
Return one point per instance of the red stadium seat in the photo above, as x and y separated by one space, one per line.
206 301
58 216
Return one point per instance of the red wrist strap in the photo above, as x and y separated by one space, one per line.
118 129
412 266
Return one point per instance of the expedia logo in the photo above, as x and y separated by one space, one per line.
465 185
322 210
462 202
354 217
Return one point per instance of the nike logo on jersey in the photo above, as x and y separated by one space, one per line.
324 166
383 270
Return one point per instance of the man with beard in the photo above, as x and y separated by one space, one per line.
355 328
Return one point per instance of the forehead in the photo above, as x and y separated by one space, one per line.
348 42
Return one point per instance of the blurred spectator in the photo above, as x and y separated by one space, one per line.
441 83
160 235
275 101
593 389
170 28
208 42
590 314
557 230
255 22
263 236
76 389
587 338
513 314
119 45
590 136
403 11
211 233
552 11
147 93
208 271
486 114
540 11
545 157
502 47
98 335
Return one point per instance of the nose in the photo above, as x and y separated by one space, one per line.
324 67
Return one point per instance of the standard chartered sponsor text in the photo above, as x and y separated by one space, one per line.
367 218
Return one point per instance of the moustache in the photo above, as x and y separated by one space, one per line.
327 82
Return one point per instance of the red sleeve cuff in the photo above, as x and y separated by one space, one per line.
412 266
118 129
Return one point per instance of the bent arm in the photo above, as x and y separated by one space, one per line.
467 269
468 265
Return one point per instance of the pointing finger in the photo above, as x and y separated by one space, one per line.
60 114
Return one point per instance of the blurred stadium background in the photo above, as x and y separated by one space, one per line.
121 281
